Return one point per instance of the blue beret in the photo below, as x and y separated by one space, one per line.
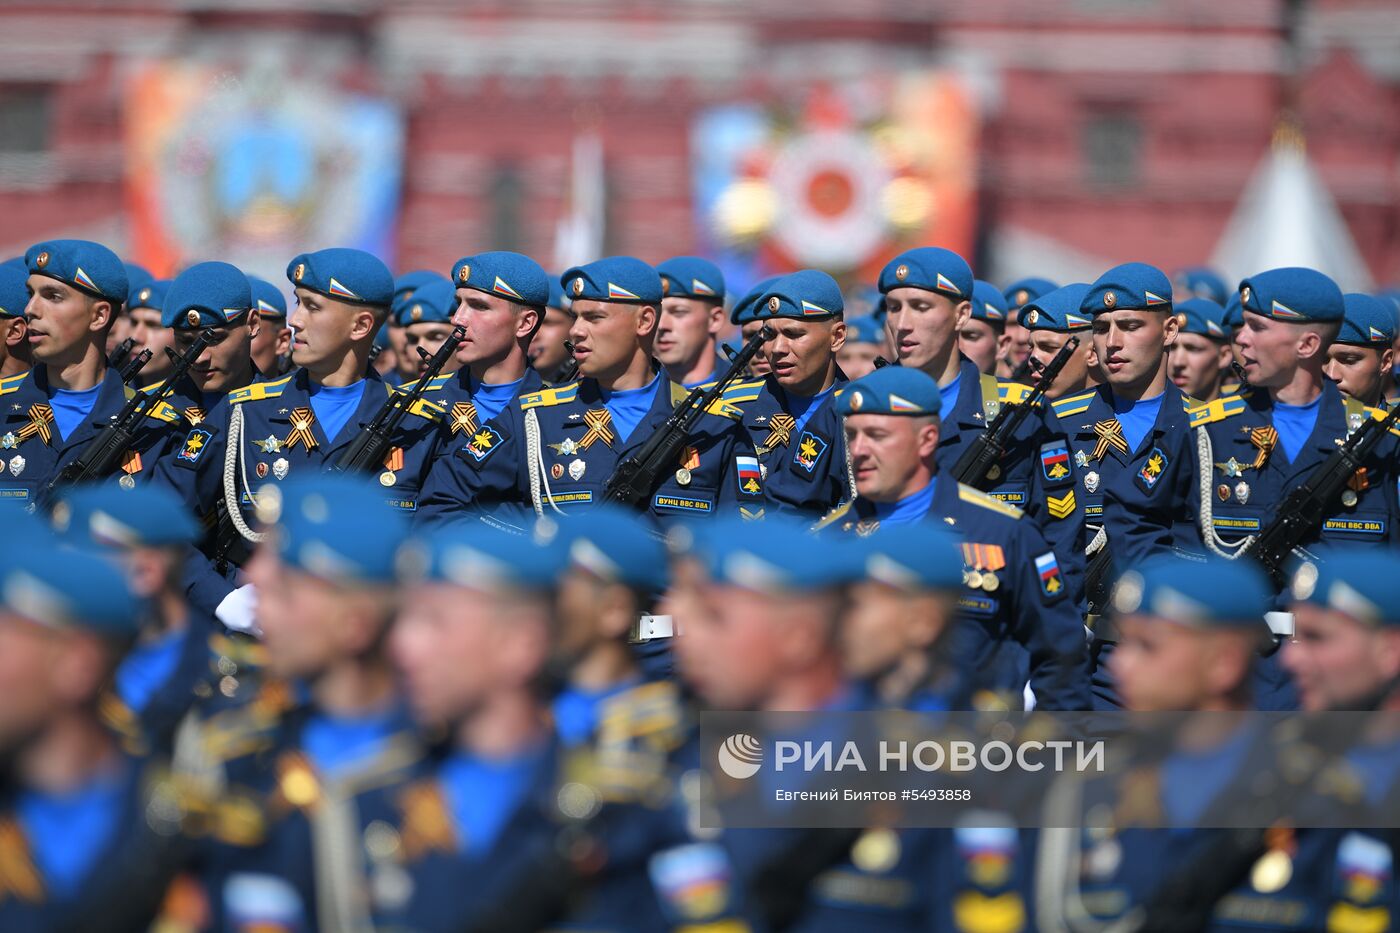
403 301
913 556
150 295
434 302
486 558
1202 283
1058 310
207 294
1234 315
267 298
807 295
931 268
891 390
351 275
691 277
1023 290
150 515
1363 583
1133 286
137 277
14 290
867 329
746 308
1293 294
616 278
334 526
557 298
1368 322
1214 593
612 544
410 282
988 304
777 555
1203 316
87 266
381 336
67 588
509 275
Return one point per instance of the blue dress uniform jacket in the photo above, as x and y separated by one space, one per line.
577 453
32 451
1037 475
1020 622
1250 474
803 471
278 419
454 393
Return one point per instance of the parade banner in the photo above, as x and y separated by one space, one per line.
255 168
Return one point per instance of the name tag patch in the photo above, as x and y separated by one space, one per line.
565 498
1014 495
1236 524
1355 526
683 503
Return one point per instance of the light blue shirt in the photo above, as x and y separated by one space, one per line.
948 395
67 832
911 508
334 405
147 667
803 407
629 407
483 794
1137 418
337 743
71 407
576 710
491 400
1295 424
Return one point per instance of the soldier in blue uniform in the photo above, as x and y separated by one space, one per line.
328 722
1359 360
548 355
692 314
1051 320
1199 360
300 423
272 344
982 337
789 415
87 836
15 359
744 316
1187 638
426 320
865 342
404 288
928 298
1019 622
178 659
1250 449
50 415
149 331
1012 364
554 449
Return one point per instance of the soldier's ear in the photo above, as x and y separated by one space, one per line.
1170 328
1387 360
838 335
18 332
964 313
254 323
103 314
646 320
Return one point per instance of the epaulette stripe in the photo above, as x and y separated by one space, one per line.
1013 392
547 397
11 383
1066 412
1380 414
1217 410
259 390
164 412
978 497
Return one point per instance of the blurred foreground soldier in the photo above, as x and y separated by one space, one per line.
426 321
554 450
300 423
865 341
88 838
1019 622
1251 449
51 415
928 300
791 415
547 352
272 344
149 332
327 723
1187 636
15 358
1200 357
1359 360
982 337
405 286
692 314
178 659
1012 363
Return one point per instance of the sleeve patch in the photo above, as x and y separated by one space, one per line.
1060 506
483 443
750 476
810 450
196 443
1055 463
1047 569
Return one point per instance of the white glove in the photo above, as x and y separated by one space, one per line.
238 610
